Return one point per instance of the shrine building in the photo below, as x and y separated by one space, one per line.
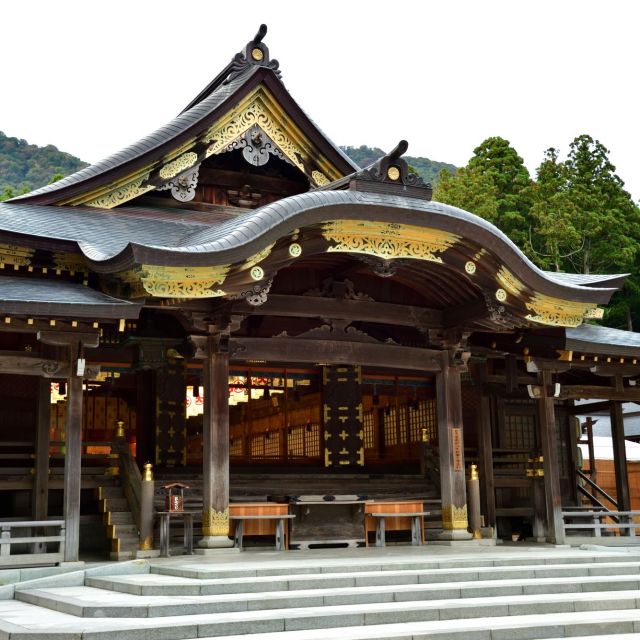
234 301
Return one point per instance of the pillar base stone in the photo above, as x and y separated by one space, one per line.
214 544
455 534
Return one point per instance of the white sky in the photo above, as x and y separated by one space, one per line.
92 77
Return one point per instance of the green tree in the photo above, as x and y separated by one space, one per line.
553 237
470 190
498 160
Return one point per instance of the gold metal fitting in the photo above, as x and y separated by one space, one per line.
120 430
473 472
147 474
425 435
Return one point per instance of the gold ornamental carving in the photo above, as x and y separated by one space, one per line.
146 544
71 262
178 282
258 257
122 194
509 282
259 108
215 523
180 164
319 178
15 255
387 240
454 517
559 313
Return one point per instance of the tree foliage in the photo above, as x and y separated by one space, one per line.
25 166
575 217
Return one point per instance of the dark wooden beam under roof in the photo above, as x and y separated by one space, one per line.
357 310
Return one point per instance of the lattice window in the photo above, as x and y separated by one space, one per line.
235 447
257 446
312 440
369 428
519 431
402 424
272 444
390 428
422 416
295 441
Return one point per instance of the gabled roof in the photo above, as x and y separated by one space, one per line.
249 83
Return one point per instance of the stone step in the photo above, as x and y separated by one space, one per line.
428 571
156 585
97 603
21 621
421 562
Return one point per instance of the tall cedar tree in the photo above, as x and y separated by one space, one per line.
496 172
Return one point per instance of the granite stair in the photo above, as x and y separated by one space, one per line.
488 594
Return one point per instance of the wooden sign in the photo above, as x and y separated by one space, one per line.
458 453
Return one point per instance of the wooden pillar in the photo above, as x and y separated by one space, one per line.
74 342
41 484
549 444
485 451
215 427
451 447
623 497
73 459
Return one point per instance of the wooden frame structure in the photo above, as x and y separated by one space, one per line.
239 238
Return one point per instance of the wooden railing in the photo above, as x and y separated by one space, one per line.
131 479
25 543
595 522
595 493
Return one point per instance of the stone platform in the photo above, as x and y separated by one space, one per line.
471 593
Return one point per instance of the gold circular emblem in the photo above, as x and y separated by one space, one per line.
470 267
295 250
257 54
393 173
501 295
257 273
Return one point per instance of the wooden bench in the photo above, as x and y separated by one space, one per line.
259 519
38 554
280 530
394 516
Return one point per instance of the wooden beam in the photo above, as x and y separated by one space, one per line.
465 314
548 439
334 352
36 366
357 310
575 392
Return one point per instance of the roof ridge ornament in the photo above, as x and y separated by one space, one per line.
394 169
256 53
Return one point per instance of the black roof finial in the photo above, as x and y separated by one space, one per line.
256 53
395 169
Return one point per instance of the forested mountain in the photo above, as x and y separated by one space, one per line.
25 166
427 169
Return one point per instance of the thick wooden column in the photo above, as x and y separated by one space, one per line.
215 472
451 447
41 484
549 443
623 496
485 451
74 342
73 462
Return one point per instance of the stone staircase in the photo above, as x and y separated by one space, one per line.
432 592
122 530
